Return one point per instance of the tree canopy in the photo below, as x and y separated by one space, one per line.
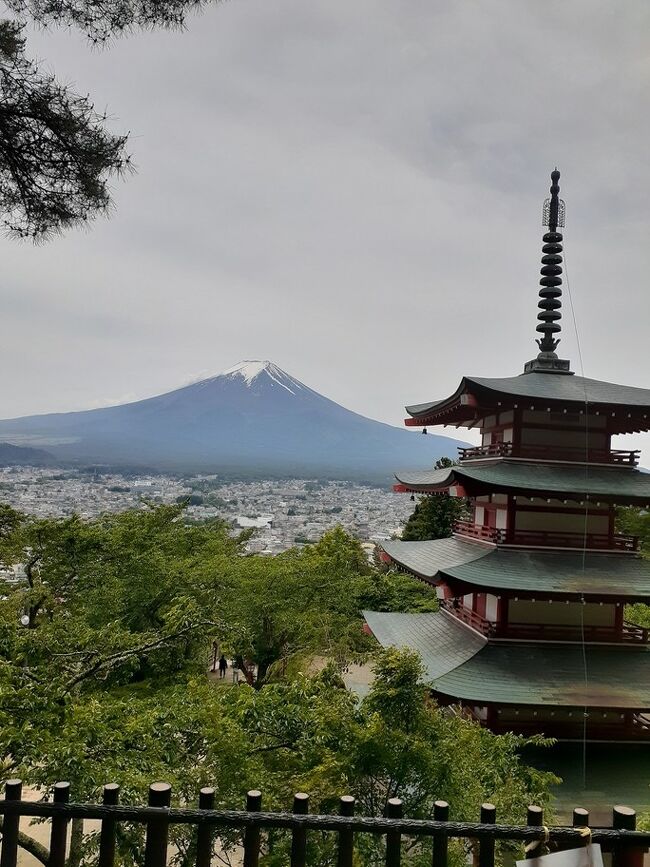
104 657
57 155
636 522
435 514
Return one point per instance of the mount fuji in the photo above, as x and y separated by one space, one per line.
253 420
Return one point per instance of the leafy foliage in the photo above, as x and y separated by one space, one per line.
636 522
56 157
56 154
107 680
102 19
435 514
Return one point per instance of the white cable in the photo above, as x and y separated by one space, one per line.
586 519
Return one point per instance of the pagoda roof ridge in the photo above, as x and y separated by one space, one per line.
576 391
443 642
518 673
558 481
511 569
552 674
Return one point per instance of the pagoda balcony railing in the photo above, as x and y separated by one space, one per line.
471 618
547 538
612 727
620 457
629 634
478 531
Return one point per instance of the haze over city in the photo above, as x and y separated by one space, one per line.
350 191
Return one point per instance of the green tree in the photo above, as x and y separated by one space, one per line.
435 514
311 734
107 680
636 522
56 156
282 610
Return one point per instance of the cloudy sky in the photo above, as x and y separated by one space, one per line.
351 189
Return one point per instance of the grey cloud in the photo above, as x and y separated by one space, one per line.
353 190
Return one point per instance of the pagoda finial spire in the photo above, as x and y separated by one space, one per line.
549 315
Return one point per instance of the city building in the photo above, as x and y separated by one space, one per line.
531 635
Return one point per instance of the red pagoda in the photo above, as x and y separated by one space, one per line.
531 634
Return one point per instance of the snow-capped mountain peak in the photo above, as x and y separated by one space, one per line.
251 370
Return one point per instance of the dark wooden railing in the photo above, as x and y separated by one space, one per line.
625 843
478 531
620 457
547 538
629 634
471 618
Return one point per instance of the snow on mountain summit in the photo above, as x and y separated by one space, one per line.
253 420
250 371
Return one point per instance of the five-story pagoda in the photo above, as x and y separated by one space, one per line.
531 635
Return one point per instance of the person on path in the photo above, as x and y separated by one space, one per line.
223 665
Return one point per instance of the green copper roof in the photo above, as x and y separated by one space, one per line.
552 674
428 558
461 665
441 641
513 570
548 387
567 481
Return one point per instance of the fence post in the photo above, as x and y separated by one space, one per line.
59 830
580 818
440 841
204 833
534 819
486 844
346 835
299 835
155 851
110 797
394 810
252 832
624 818
9 856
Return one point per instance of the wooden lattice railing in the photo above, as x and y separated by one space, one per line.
625 843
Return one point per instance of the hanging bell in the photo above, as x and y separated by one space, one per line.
412 498
424 431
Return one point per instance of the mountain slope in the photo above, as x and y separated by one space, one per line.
252 418
12 455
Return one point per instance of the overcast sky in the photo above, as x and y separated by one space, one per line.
352 190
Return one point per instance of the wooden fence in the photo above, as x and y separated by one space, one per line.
626 844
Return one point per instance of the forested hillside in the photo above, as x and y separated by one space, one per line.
105 650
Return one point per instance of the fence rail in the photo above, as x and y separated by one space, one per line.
626 844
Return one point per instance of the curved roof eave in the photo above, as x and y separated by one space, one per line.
560 481
442 642
546 387
558 573
552 674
